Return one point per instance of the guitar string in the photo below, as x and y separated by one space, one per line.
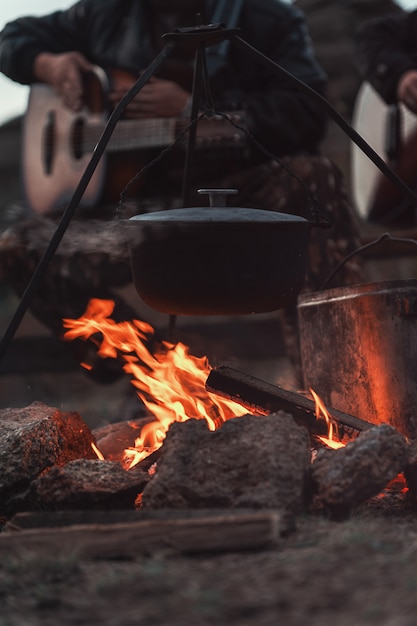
157 132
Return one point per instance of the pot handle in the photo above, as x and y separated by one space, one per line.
324 222
217 197
362 249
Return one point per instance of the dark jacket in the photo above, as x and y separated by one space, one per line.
386 48
115 34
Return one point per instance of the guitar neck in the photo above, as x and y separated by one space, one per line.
214 131
133 134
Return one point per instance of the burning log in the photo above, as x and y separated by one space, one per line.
262 397
351 475
113 439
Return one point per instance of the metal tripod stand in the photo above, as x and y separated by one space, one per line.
202 36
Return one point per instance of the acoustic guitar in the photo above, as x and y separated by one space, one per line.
392 132
58 145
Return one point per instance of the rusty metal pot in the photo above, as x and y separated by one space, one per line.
218 260
359 350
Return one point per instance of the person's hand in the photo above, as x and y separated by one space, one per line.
158 98
407 90
64 73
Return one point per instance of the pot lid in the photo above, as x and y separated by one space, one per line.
215 215
217 212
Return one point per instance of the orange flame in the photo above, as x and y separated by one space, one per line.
169 381
97 451
322 410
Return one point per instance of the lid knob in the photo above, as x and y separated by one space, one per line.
217 197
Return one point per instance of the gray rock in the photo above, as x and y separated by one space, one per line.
33 439
250 462
87 484
349 476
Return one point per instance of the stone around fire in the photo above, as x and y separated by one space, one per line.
250 462
349 476
86 484
35 438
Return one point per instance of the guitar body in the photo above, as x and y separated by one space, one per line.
392 133
53 158
58 145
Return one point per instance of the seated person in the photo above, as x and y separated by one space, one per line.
387 58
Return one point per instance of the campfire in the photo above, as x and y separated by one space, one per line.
214 438
169 381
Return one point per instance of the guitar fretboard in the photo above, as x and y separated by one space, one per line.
132 134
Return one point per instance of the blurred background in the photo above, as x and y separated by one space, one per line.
13 97
38 367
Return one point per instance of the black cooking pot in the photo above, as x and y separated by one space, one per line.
218 260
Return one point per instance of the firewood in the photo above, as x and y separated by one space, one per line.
56 519
262 397
221 532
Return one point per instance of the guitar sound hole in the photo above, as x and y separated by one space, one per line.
49 142
77 138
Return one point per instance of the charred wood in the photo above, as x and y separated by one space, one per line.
113 439
259 396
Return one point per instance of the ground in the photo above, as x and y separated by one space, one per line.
359 571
